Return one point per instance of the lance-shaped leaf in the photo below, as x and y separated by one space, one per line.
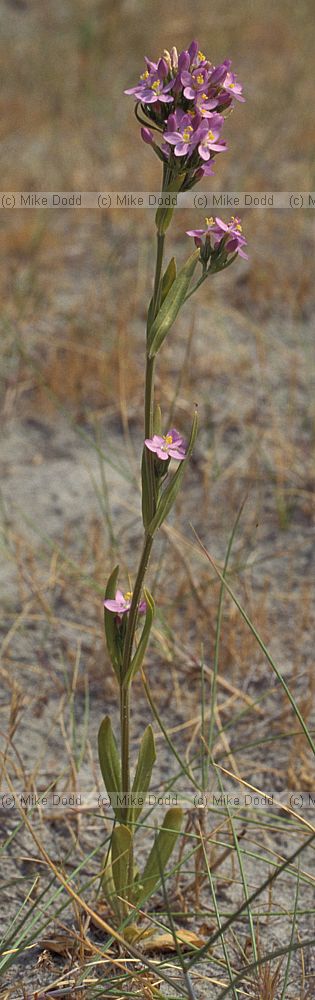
161 851
170 308
108 885
167 281
121 855
168 278
110 763
164 215
138 657
169 495
142 778
110 624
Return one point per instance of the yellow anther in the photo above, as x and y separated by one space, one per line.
128 595
201 56
210 136
156 85
236 223
210 221
187 132
144 76
199 78
168 440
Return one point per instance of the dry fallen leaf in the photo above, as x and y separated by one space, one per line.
165 942
63 944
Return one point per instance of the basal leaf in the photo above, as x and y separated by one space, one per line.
109 763
161 852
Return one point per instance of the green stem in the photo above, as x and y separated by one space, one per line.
149 378
158 273
133 613
149 397
125 740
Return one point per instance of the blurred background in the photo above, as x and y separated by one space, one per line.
66 124
75 286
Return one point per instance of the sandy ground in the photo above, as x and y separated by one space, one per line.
51 491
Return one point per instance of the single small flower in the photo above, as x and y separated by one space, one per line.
232 233
209 135
195 82
122 603
153 85
182 133
205 104
231 86
170 445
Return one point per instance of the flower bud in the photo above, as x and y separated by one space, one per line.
146 135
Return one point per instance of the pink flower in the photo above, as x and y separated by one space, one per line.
230 235
122 603
182 133
170 445
232 87
209 137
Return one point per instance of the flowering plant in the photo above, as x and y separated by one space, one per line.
184 100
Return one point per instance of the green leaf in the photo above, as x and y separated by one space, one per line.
121 853
138 657
171 305
108 885
164 215
168 278
110 624
109 762
167 281
161 852
142 778
169 495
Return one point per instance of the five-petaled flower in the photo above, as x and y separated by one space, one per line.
208 137
122 603
170 445
181 133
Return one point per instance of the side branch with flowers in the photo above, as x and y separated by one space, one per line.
184 99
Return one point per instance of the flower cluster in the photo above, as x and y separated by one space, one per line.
185 98
220 238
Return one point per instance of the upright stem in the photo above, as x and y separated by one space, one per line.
148 540
158 273
125 731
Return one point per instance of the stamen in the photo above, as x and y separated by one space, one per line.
187 132
168 440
